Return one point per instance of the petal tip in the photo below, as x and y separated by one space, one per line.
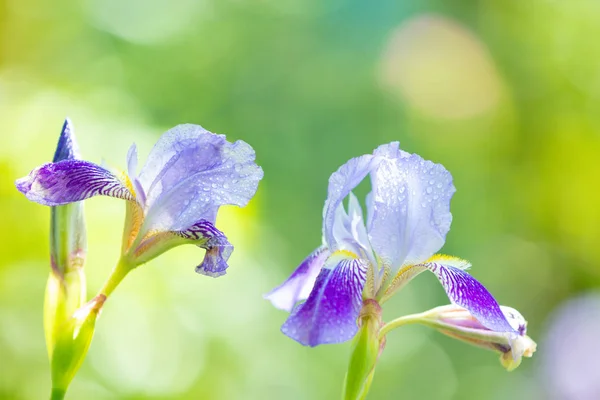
218 252
67 148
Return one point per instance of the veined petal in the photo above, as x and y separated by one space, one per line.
341 182
465 291
67 181
202 233
409 209
299 285
190 171
330 313
67 148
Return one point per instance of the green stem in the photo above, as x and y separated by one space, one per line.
119 272
398 322
57 394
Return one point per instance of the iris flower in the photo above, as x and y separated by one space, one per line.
174 198
365 261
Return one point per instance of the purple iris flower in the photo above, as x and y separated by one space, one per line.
407 219
173 199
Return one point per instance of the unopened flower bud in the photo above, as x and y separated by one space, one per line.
458 323
72 343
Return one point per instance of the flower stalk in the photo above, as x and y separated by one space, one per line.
366 349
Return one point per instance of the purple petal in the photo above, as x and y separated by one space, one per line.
329 314
190 171
299 285
67 181
67 148
341 182
218 248
409 209
465 291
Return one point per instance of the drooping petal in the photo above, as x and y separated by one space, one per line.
465 291
341 182
67 181
202 234
409 210
190 171
330 313
67 148
299 285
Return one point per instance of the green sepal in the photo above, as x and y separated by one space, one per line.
72 343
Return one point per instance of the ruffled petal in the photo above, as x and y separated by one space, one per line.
190 171
341 182
299 285
465 291
67 148
67 181
330 313
409 211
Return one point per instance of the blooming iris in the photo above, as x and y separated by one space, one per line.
361 262
173 200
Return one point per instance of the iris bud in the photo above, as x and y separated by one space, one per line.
72 344
458 323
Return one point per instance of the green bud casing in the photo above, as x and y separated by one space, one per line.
72 343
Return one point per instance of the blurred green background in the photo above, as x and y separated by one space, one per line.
504 93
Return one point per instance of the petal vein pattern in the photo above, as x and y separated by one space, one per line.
68 181
465 291
330 313
299 285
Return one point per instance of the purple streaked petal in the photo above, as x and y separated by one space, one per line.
67 148
341 182
465 291
67 181
218 249
409 208
190 171
299 285
330 313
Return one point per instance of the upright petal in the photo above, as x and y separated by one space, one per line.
299 285
190 171
409 208
67 181
132 163
330 313
67 145
341 182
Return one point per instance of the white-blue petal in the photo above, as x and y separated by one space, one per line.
409 208
190 172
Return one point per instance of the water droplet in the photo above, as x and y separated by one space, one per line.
214 185
429 189
439 185
226 185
